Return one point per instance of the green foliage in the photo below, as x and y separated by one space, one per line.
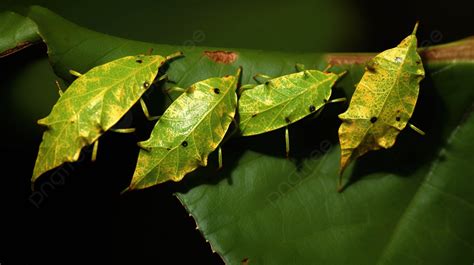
406 205
16 32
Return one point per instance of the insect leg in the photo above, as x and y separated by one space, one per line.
219 157
413 127
145 111
175 89
327 68
336 100
74 73
123 130
317 113
300 67
236 128
257 78
146 148
174 55
161 78
94 150
342 74
61 92
245 87
287 141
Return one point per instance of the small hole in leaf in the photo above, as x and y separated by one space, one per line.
184 144
217 90
254 115
139 61
267 83
287 120
312 108
397 118
146 85
373 119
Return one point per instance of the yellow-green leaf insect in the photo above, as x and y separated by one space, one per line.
92 104
280 101
383 102
190 129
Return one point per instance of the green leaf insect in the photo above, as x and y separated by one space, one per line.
92 104
281 101
383 102
190 129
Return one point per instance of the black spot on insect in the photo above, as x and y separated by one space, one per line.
373 119
312 108
254 115
287 120
146 85
184 144
139 61
397 118
217 90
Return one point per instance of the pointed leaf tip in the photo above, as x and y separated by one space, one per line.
415 28
127 189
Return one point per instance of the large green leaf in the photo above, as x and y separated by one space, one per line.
16 32
412 204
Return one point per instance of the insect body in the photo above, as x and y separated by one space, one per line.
91 105
383 101
281 101
190 129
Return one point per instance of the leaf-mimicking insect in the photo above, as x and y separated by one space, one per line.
281 101
383 102
92 104
190 129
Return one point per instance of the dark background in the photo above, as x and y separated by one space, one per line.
82 218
